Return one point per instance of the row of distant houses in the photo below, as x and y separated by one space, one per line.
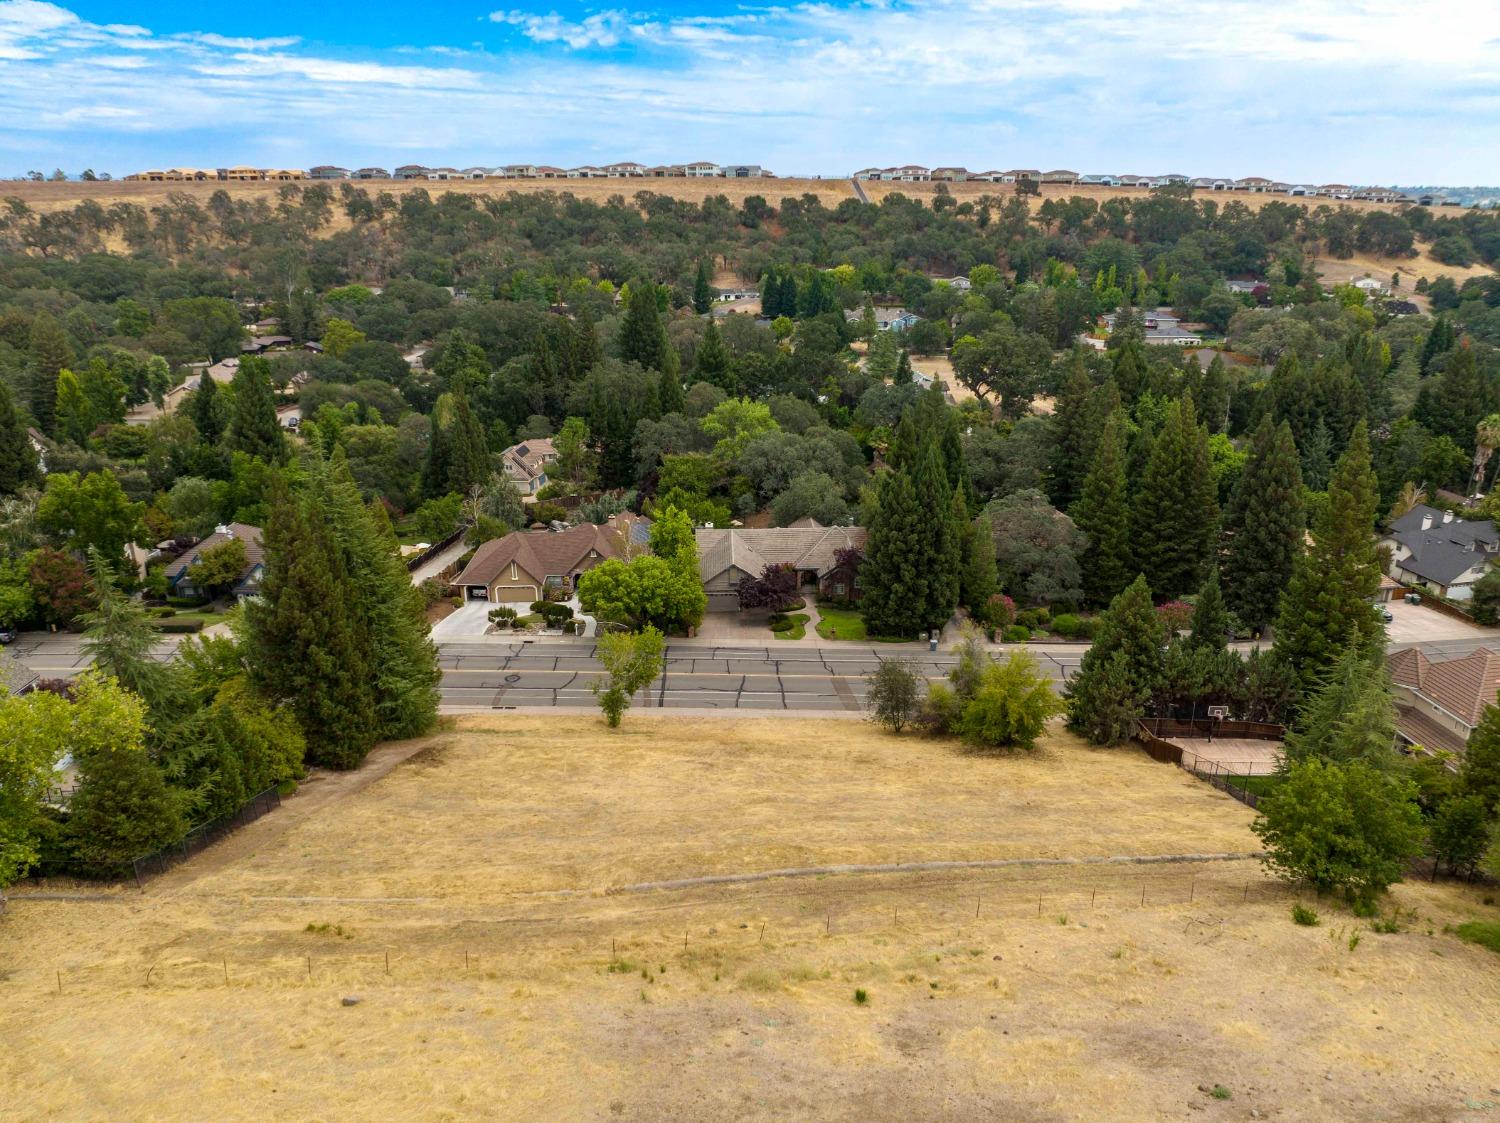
1255 185
698 169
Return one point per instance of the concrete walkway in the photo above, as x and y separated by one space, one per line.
436 564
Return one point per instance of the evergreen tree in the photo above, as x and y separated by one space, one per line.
119 638
1456 401
1263 527
1210 625
643 339
904 375
253 428
208 410
123 809
1120 672
307 649
703 291
1317 456
897 555
18 463
1130 367
436 468
977 580
670 391
1479 774
468 451
1327 603
1351 715
51 353
1213 396
1175 514
944 539
1070 422
711 360
1103 514
1439 342
392 611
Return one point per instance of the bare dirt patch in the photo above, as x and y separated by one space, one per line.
470 898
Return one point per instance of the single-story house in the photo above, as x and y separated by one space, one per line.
1439 551
248 582
1440 701
259 343
1060 175
520 567
743 171
887 319
728 556
1369 285
526 464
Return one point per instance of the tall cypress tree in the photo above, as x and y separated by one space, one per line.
1453 403
391 611
468 452
1213 396
1103 513
643 339
51 353
308 650
1327 603
18 465
253 428
1263 527
943 540
669 391
703 291
1070 420
208 410
897 555
1175 514
437 466
711 360
1130 367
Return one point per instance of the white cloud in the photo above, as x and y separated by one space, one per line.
233 43
601 29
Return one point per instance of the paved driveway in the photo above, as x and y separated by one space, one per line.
470 622
1417 623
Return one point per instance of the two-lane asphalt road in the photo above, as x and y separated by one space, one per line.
699 676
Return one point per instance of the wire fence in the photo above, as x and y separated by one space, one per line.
202 837
735 931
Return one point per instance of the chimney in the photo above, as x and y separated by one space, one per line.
1426 521
1447 516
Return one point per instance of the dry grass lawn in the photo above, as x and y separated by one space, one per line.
530 977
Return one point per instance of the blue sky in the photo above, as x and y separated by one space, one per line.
1362 91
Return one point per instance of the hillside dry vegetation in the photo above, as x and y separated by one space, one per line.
473 891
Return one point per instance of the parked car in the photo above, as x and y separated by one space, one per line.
7 635
1385 614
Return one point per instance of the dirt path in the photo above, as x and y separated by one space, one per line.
321 788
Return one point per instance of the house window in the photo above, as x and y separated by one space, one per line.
512 571
838 589
734 579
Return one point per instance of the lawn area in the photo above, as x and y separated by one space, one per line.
798 629
841 623
1256 785
537 918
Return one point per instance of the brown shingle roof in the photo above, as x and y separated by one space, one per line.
1463 686
804 547
527 459
541 553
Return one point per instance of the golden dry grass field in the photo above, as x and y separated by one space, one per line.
482 894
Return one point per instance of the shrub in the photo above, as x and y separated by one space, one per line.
1015 633
781 622
893 700
521 623
860 996
1032 617
548 512
502 615
555 615
1011 707
1304 916
1485 933
940 710
1175 615
180 627
1068 625
163 612
1000 610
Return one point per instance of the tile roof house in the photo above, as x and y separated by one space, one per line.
251 575
16 678
1439 702
526 464
520 567
728 556
1438 551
